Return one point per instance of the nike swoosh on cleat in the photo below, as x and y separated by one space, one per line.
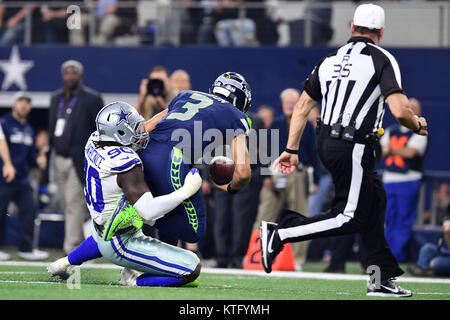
269 246
396 290
263 235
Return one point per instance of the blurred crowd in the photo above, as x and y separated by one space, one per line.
55 24
44 171
224 23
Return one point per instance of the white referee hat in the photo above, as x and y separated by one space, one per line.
369 15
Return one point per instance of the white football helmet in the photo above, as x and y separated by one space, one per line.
120 122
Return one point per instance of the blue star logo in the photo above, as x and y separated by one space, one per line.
123 115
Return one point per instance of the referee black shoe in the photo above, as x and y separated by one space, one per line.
270 244
388 288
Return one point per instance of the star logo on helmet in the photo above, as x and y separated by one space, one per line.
123 116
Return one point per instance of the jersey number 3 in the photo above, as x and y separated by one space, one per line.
191 108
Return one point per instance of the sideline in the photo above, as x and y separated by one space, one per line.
241 272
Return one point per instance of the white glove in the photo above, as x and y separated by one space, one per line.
192 183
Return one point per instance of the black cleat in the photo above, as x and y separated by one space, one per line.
270 244
388 288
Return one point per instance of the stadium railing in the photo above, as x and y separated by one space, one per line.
432 178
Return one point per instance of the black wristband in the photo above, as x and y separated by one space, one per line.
231 191
420 128
291 151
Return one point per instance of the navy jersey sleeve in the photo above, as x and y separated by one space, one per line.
240 122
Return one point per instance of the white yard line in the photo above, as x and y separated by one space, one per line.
30 282
21 272
276 274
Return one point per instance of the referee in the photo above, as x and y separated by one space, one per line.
353 84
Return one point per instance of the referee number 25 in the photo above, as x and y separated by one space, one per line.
341 71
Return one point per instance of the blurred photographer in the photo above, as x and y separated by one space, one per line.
155 93
434 258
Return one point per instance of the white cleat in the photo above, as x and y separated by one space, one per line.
60 268
4 256
33 255
129 277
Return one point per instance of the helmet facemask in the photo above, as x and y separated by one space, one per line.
140 139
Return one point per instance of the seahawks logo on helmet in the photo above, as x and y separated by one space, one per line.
234 88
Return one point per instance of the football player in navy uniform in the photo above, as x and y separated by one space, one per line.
182 135
167 160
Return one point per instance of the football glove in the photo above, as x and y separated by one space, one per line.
125 215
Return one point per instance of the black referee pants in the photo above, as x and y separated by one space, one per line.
358 207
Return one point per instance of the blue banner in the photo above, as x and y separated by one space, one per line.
115 71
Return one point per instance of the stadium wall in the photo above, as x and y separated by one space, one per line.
116 73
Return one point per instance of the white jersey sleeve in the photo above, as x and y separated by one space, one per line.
102 165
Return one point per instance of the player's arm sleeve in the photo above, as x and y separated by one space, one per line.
2 135
138 193
152 208
243 125
312 84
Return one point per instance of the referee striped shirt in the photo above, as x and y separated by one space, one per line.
353 83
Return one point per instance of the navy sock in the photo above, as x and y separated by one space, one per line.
87 250
147 280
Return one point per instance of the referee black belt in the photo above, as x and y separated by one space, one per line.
99 228
358 137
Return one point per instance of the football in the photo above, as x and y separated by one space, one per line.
221 170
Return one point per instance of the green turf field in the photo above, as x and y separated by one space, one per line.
23 280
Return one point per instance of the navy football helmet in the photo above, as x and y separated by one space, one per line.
232 87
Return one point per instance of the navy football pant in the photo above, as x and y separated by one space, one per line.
165 171
22 194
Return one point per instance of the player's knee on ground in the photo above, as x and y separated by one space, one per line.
192 276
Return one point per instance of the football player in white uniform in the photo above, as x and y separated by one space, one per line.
120 201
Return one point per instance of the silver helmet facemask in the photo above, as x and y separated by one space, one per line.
120 122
